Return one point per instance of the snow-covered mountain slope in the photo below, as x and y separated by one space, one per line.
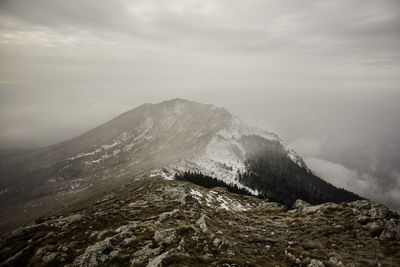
164 139
225 155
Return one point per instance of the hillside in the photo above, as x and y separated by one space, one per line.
164 139
169 223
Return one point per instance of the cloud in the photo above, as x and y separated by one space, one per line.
35 126
314 27
307 146
352 180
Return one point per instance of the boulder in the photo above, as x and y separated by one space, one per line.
378 212
316 263
147 252
335 262
158 261
391 231
375 228
168 236
94 255
300 204
202 223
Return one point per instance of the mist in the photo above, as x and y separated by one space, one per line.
323 75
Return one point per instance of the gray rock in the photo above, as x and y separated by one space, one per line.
168 236
300 204
147 252
93 255
165 215
128 240
41 251
318 208
390 231
159 261
335 261
375 228
378 212
49 257
360 206
316 263
202 223
114 253
180 249
362 219
208 256
217 242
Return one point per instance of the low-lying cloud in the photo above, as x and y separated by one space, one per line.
352 180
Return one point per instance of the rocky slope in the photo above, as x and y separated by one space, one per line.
154 222
157 140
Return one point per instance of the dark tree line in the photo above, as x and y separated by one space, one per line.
209 182
270 170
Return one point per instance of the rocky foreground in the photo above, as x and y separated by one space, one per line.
170 223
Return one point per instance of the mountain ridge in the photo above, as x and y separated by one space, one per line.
160 140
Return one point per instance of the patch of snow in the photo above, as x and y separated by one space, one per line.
106 147
163 174
212 199
196 194
81 155
129 146
73 186
116 152
125 136
223 203
96 161
209 200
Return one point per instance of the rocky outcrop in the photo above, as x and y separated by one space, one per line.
301 204
170 223
94 255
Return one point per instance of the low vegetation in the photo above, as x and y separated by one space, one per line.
176 223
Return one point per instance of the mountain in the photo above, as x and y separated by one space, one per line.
154 222
181 183
157 140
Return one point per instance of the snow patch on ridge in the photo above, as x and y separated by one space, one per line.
81 155
213 199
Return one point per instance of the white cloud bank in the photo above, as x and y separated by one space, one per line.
352 180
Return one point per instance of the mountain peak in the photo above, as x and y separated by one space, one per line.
163 140
180 102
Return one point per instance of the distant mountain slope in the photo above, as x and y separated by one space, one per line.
159 140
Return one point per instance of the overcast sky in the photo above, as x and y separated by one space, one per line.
324 75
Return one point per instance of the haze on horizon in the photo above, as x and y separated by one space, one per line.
323 75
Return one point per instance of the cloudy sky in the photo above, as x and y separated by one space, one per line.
324 75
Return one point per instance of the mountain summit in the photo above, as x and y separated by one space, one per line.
166 140
144 189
